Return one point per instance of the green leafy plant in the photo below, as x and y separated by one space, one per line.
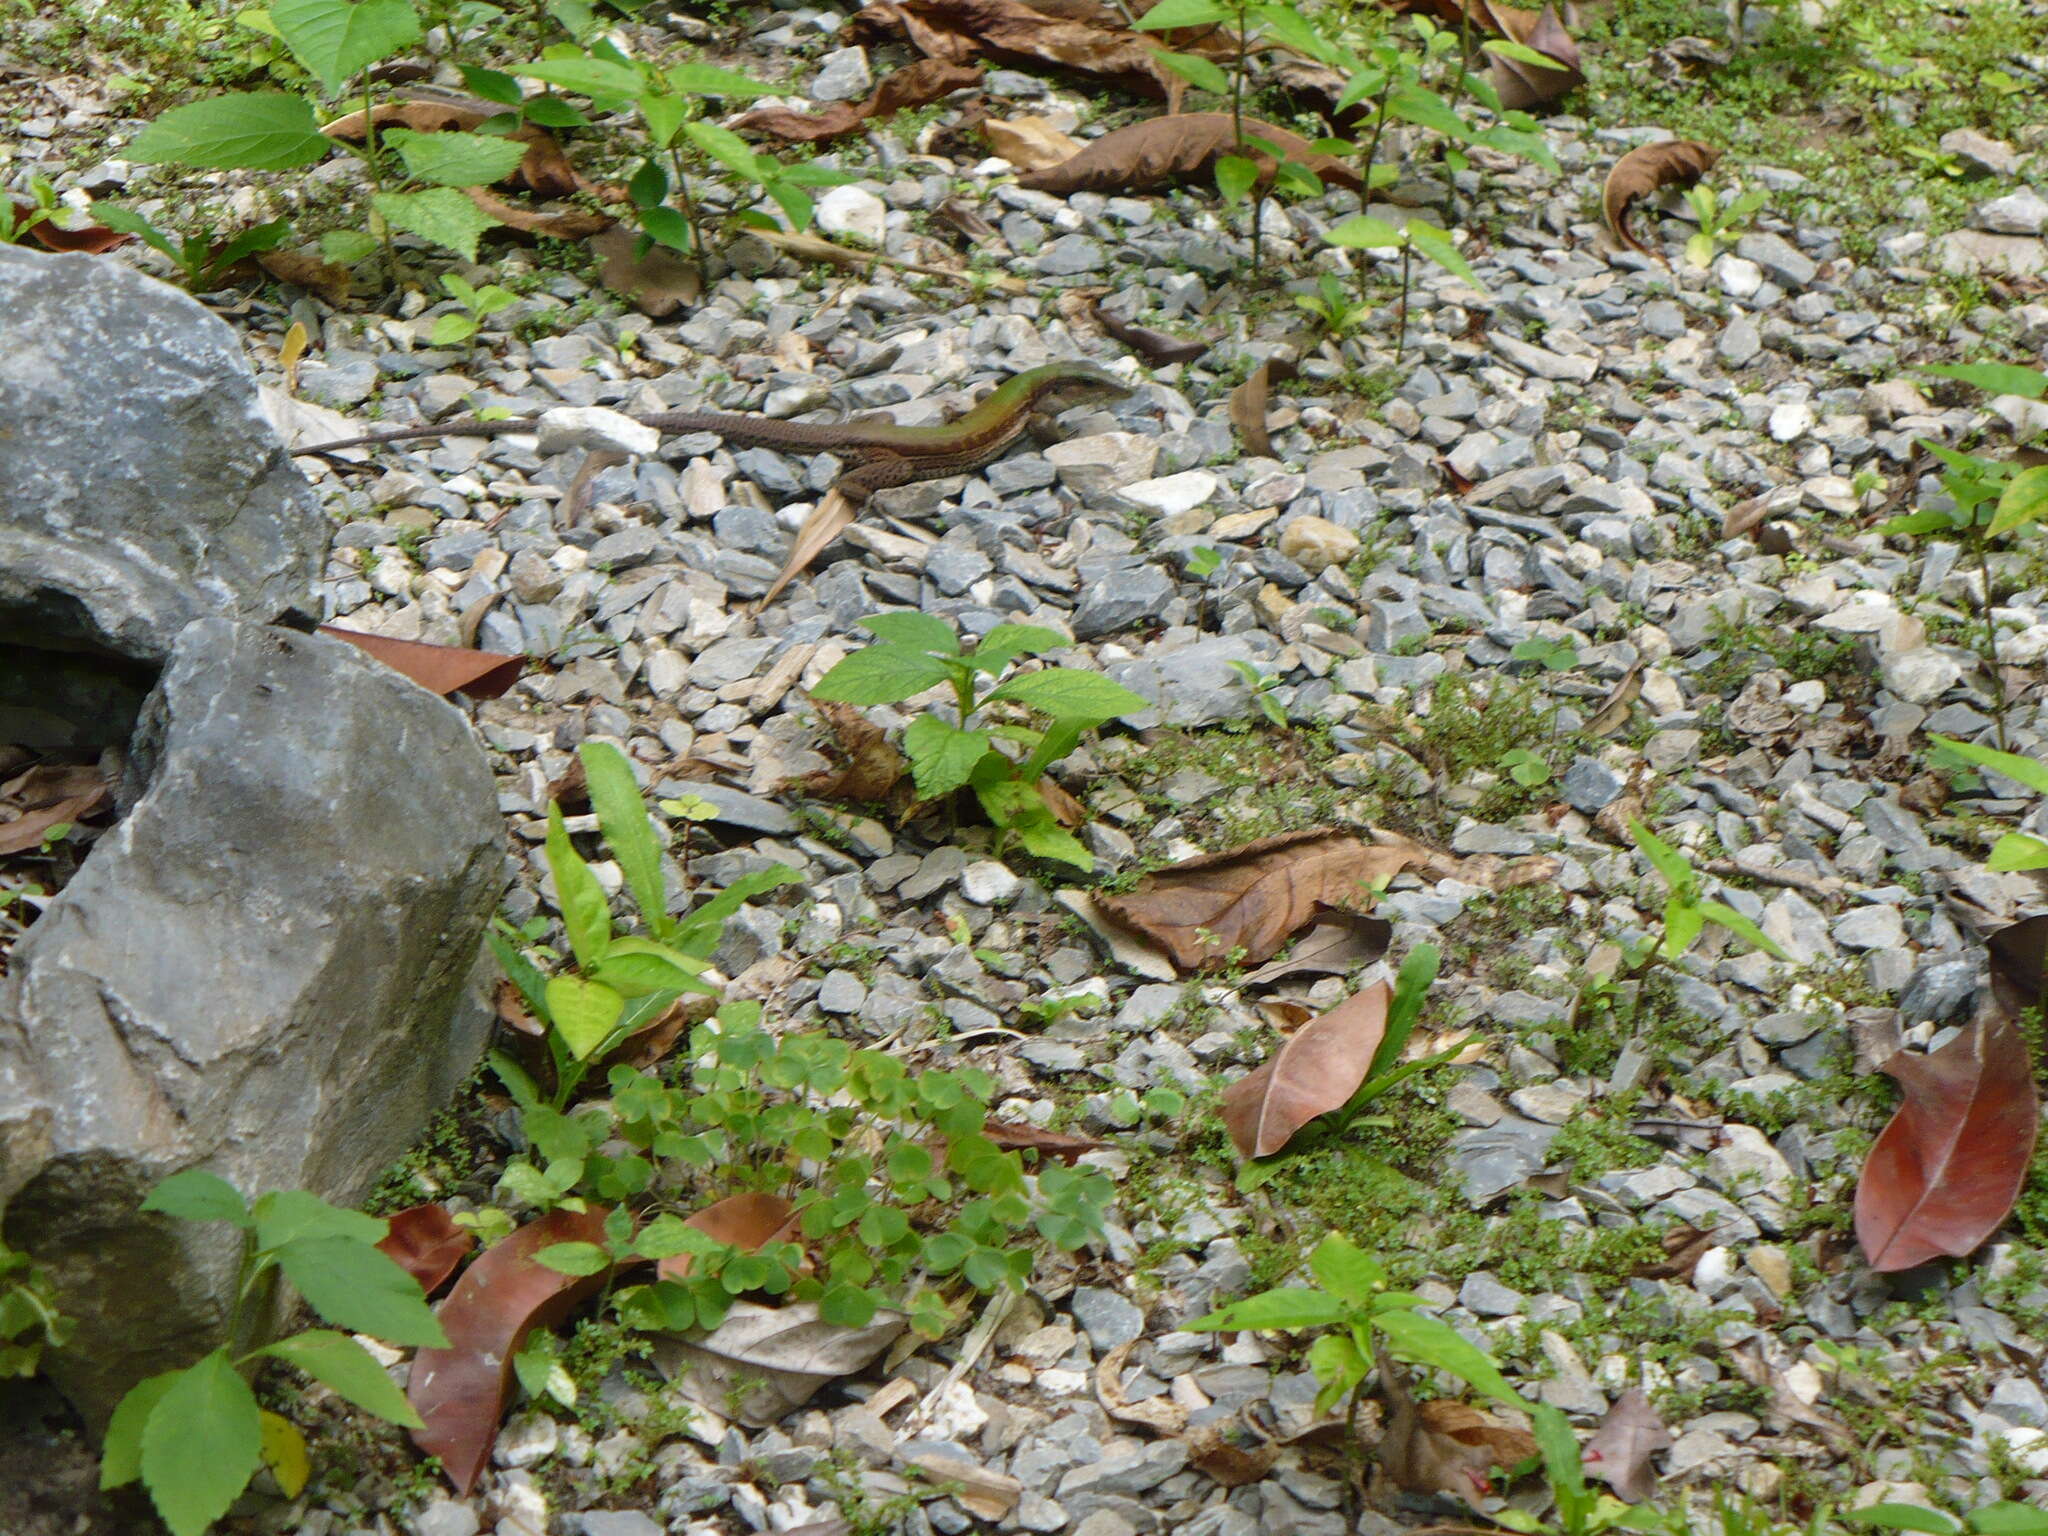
1686 911
1989 499
1551 655
203 259
919 652
1340 315
1262 686
2002 1518
196 1436
478 305
2015 850
29 1319
621 982
15 222
1719 224
1204 561
1528 769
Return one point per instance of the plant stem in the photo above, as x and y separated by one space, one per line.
1401 318
1990 650
675 155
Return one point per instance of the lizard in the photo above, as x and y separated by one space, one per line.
884 453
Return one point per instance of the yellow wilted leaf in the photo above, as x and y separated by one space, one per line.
284 1452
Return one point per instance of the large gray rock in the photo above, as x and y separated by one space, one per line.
141 486
260 969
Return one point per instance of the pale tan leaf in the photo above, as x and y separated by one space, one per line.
1645 171
1030 143
1315 1071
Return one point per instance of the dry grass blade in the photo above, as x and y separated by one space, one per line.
830 518
1646 171
1184 148
1315 1071
916 85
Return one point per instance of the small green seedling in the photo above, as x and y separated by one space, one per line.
919 652
2015 850
1528 769
1718 225
1339 314
1262 687
16 221
29 1319
1204 561
1686 911
1551 655
203 259
196 1436
478 305
1580 1510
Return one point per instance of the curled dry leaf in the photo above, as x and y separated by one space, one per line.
1231 1452
829 518
1645 171
2018 954
763 1361
1250 401
1160 1414
657 281
424 1241
1156 347
459 1392
1337 944
1030 143
869 767
1016 1136
1442 1446
1250 900
1315 1071
1522 85
1612 714
1182 148
1944 1173
326 280
442 669
1090 41
554 224
45 796
916 85
1619 1451
746 1222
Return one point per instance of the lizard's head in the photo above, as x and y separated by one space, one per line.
1077 385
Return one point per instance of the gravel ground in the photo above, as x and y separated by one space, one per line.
1652 1197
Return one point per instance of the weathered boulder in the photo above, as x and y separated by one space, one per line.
141 487
260 969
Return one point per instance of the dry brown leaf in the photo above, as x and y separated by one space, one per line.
1166 149
1521 85
1090 41
763 1361
1315 1071
1156 347
442 669
1128 949
1249 403
326 280
1066 810
829 518
1015 1136
1249 901
916 85
657 281
746 1222
1231 1453
424 1241
1612 714
46 796
870 768
1684 1246
1619 1451
1030 143
985 1494
1337 944
1160 1414
1646 171
554 224
545 171
1284 1016
1442 1446
92 239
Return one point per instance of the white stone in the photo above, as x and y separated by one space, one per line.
1745 1163
852 211
1103 463
987 882
1739 279
1871 927
1806 697
667 671
1792 419
2024 212
1173 494
2025 648
568 427
1921 676
844 76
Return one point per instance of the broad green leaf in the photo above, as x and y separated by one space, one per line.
1287 1307
665 226
1290 176
597 78
2021 770
1413 104
2016 851
1432 1342
2006 1518
635 966
196 1195
286 1215
574 1258
1727 917
251 131
1235 177
709 80
1440 248
586 914
355 1287
846 1306
121 1451
1562 1458
262 237
1914 523
1904 1517
283 1450
491 84
1339 1365
1065 693
552 112
440 214
628 828
729 150
346 247
1290 26
2024 501
201 1445
449 329
1346 1271
339 1363
584 1012
795 203
921 631
1664 858
1169 15
1006 642
335 39
664 116
1362 233
456 159
1996 378
1683 922
1197 71
128 222
881 674
942 756
1521 53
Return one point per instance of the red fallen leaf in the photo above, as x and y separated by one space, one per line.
425 1242
747 1222
1945 1172
2019 964
92 239
1315 1071
442 669
459 1392
1015 1136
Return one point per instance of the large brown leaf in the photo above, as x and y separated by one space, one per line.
746 1222
424 1241
869 768
442 669
45 796
1315 1071
1645 171
1442 1446
657 281
1089 42
1620 1450
1250 401
2019 964
1945 1172
916 85
1252 899
459 1392
1522 85
1183 148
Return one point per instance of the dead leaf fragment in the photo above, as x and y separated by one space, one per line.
1337 944
1612 714
916 85
45 796
829 518
1231 1453
1644 171
553 223
1030 143
1522 85
1183 148
763 1361
747 1222
1315 1071
1017 1136
1442 1446
1249 901
870 768
1131 951
2018 953
1619 1451
986 1494
1089 40
1945 1172
1159 1414
326 280
442 669
91 239
459 1392
657 281
1249 404
424 1241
